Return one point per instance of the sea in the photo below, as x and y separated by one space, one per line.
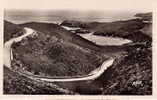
58 16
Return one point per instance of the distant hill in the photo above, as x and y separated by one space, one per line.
145 16
73 23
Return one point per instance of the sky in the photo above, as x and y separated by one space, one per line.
127 5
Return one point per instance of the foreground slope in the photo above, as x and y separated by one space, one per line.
17 84
131 74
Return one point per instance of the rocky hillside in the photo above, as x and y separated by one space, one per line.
131 74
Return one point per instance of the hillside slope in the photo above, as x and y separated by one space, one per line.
11 30
56 30
131 74
52 53
17 84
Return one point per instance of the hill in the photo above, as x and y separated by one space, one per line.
11 30
136 30
145 16
55 52
57 30
131 74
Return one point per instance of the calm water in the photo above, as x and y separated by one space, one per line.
102 40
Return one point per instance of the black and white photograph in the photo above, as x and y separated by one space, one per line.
77 52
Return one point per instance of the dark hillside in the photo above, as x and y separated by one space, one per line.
86 25
145 16
141 27
17 84
11 30
119 28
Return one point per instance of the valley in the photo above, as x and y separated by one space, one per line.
77 57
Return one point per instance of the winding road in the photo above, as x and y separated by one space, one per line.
8 57
7 50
